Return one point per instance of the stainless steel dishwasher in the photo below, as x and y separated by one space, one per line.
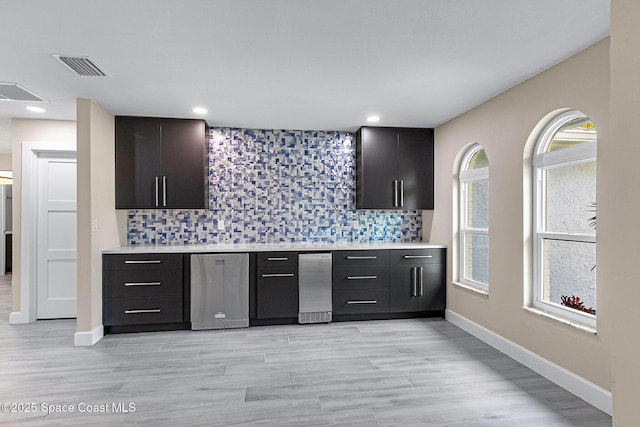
219 291
314 288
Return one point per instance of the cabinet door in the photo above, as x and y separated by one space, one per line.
432 291
184 172
402 293
415 148
376 167
277 292
137 162
417 287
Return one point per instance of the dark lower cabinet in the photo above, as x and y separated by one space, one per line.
360 282
277 292
417 280
143 292
277 285
416 288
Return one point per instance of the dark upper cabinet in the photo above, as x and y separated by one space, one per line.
394 168
161 163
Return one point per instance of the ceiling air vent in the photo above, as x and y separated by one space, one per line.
81 65
15 92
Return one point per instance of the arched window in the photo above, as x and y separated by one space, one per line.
564 200
474 218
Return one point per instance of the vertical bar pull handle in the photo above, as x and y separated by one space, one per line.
420 281
164 191
395 193
401 194
414 282
156 191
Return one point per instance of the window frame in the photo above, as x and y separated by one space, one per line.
465 177
543 161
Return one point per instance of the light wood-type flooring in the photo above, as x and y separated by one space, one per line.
377 373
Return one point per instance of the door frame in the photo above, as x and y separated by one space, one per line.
28 224
3 234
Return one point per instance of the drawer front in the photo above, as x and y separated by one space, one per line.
360 277
277 259
417 256
352 301
142 262
277 292
141 310
377 257
142 283
277 274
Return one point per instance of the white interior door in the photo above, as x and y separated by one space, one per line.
56 275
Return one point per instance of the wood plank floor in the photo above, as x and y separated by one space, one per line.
378 373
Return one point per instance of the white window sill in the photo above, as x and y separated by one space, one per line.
577 325
472 289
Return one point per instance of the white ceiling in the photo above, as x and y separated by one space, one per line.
295 64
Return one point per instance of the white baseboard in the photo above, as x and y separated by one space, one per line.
87 339
585 390
17 317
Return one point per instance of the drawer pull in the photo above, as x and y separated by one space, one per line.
150 261
284 258
144 284
153 310
417 256
363 302
278 275
362 277
362 257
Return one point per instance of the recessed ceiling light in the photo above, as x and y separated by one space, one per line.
199 110
373 119
35 109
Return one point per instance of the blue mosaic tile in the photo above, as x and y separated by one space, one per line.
276 186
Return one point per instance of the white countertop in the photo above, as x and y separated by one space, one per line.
264 247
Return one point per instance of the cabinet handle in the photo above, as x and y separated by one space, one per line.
362 277
278 275
395 193
362 257
420 281
414 282
157 192
143 261
363 302
144 284
164 191
278 259
417 256
153 310
401 196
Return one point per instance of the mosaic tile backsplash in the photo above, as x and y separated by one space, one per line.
276 186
